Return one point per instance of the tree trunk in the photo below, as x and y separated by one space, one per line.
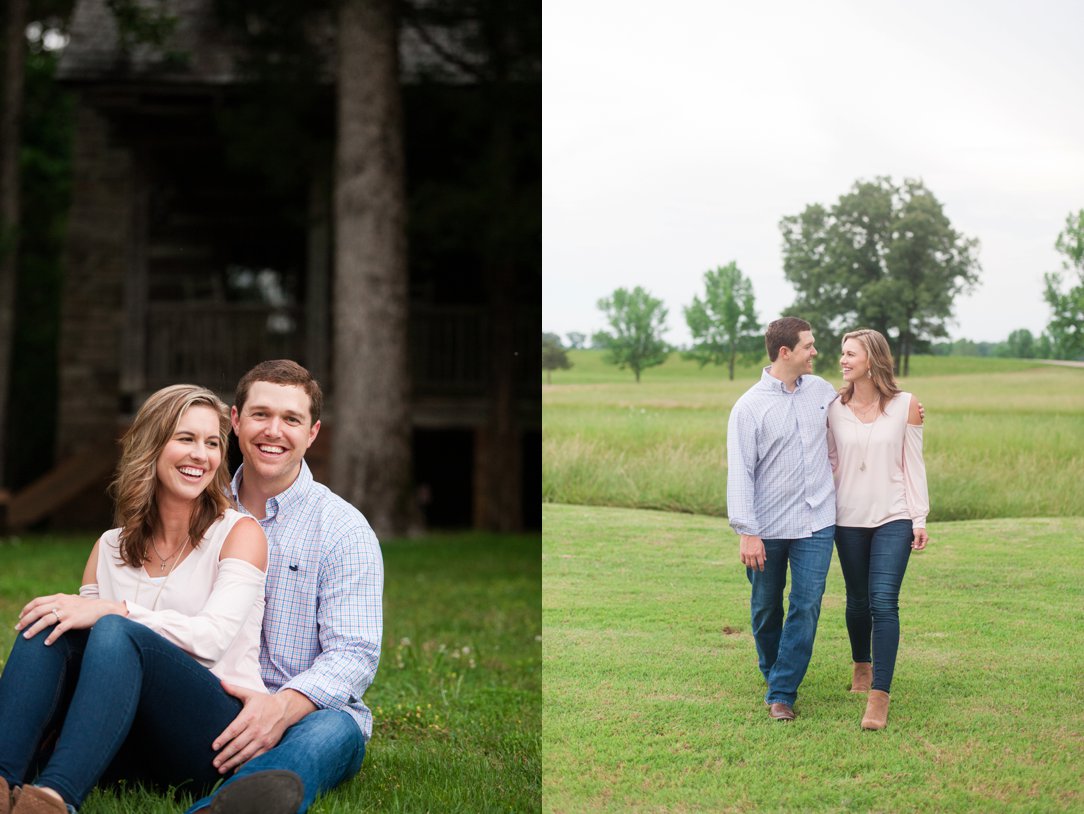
370 464
11 106
733 355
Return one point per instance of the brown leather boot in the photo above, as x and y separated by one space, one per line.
33 800
863 676
876 716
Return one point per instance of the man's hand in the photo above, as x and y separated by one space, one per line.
752 552
259 727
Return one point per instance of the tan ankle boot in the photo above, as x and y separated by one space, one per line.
863 676
876 716
33 800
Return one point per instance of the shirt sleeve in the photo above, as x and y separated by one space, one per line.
914 477
350 621
741 454
207 635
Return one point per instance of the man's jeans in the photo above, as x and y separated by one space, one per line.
325 748
126 703
873 563
784 648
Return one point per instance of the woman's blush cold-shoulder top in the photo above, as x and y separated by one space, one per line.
878 468
212 609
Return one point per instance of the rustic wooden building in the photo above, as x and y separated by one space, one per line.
184 263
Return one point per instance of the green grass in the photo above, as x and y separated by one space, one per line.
457 700
1004 438
653 701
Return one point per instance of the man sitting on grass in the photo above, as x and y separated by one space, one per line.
323 620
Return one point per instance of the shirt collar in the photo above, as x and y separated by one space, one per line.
769 382
294 493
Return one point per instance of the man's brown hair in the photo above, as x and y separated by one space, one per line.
783 332
282 371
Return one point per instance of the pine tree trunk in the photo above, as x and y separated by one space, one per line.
370 465
11 105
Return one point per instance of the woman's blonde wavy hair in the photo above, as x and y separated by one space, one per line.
134 487
881 366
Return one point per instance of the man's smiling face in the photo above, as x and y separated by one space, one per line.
274 431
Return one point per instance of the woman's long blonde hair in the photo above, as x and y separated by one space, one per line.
134 487
881 366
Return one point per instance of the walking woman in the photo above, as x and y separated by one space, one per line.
123 680
875 444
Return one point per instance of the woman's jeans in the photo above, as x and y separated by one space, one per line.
873 562
784 648
121 701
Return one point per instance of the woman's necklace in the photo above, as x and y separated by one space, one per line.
165 579
857 443
173 556
860 412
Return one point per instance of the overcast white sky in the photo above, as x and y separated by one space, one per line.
675 137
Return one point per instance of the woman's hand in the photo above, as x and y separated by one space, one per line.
921 538
65 612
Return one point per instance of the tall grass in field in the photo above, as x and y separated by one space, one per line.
1003 438
653 699
456 702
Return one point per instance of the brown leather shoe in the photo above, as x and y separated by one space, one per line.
863 676
876 716
33 800
781 712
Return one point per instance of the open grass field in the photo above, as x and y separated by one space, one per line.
457 701
1004 438
653 701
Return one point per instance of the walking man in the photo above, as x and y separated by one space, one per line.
323 620
781 501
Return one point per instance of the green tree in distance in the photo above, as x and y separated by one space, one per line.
554 356
886 257
724 323
1020 345
1066 328
577 340
637 321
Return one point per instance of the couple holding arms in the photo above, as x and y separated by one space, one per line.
808 465
224 630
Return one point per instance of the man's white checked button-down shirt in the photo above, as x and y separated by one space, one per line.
779 480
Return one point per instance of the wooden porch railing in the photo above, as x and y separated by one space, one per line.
212 344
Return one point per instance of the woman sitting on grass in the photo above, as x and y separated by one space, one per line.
123 680
875 443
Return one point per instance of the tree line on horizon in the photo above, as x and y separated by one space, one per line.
884 256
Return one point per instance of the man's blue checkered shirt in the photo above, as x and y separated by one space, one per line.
325 582
779 481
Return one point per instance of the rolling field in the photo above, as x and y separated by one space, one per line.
1004 438
652 698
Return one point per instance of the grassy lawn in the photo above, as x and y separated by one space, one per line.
1004 438
654 701
457 701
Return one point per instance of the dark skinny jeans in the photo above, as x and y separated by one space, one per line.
121 702
873 561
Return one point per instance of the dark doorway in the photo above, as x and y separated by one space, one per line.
444 474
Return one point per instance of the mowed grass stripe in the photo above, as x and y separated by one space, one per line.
653 697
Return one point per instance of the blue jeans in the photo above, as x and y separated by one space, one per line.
784 648
325 748
120 701
873 562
